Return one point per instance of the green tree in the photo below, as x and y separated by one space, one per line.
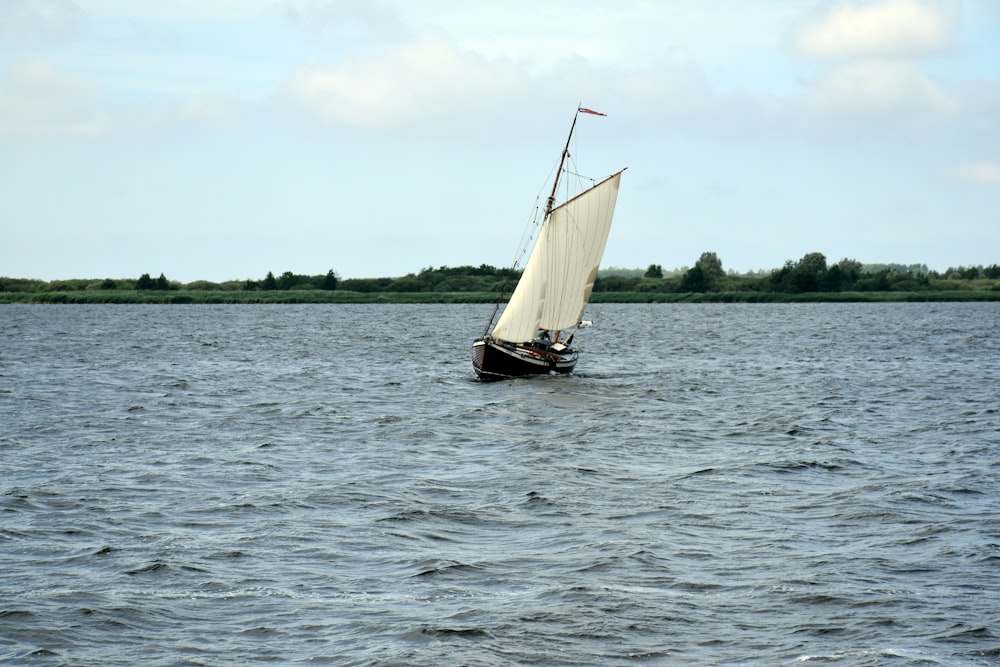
694 280
711 266
704 275
810 272
841 276
270 283
805 275
615 284
654 271
874 282
850 269
330 281
146 283
408 283
359 285
965 273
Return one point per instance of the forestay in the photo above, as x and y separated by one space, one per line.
557 281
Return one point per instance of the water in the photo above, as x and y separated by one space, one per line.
717 484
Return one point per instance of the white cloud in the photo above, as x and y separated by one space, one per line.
872 76
887 29
890 90
36 98
45 20
189 12
980 173
210 110
407 84
367 19
214 112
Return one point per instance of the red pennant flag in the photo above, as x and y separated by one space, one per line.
596 113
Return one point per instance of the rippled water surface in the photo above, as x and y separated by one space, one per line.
717 484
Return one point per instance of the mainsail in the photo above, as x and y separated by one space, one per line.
557 281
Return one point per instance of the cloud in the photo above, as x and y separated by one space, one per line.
36 98
44 20
896 91
433 82
366 19
214 112
978 173
871 76
895 28
406 84
217 111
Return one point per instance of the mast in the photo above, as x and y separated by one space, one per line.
550 203
552 197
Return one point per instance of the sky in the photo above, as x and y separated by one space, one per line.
222 139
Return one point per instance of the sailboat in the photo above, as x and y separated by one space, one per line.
534 334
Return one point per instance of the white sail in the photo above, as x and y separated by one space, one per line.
557 281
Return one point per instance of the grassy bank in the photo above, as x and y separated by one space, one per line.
784 297
222 297
344 296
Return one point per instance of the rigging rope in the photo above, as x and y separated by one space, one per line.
527 237
535 223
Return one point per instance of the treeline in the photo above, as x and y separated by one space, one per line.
810 274
483 278
145 283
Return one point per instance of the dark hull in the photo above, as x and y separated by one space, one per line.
496 360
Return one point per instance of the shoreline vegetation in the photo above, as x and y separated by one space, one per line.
809 279
319 297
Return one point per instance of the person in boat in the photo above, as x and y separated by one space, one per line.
542 340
